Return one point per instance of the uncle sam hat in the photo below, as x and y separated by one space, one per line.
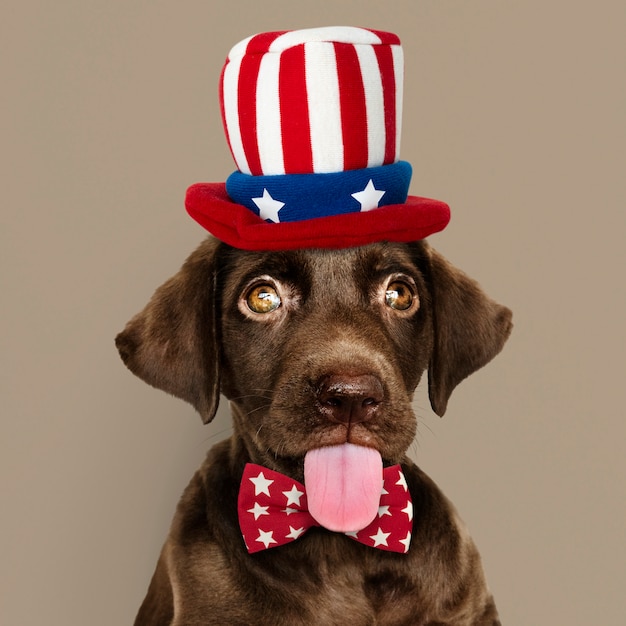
313 120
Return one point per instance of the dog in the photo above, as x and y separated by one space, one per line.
314 349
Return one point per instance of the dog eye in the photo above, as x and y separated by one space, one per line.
399 296
263 299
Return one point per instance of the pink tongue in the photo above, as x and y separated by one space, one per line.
343 486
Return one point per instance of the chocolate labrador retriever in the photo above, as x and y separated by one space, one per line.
316 350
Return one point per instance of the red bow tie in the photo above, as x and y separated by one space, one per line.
273 511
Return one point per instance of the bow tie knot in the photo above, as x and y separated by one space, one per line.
273 511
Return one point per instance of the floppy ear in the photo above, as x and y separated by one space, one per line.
469 329
172 343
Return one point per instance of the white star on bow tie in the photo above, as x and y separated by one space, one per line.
380 538
261 484
295 532
408 509
268 207
383 510
258 510
369 197
402 482
293 496
266 538
406 541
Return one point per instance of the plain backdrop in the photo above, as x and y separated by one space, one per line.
514 113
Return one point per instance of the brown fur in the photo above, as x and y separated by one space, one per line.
195 338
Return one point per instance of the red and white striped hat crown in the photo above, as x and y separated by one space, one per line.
313 101
313 120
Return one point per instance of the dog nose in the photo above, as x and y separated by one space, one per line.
350 399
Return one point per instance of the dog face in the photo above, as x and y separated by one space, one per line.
315 347
325 347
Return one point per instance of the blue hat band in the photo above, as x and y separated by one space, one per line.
297 197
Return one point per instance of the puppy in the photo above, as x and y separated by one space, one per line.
316 350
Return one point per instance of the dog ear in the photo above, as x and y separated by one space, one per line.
469 329
172 343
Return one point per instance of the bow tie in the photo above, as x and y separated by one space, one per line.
273 511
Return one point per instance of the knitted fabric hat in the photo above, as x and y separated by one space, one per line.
313 120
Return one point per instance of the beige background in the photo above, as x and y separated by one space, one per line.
514 114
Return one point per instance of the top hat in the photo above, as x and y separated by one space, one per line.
313 120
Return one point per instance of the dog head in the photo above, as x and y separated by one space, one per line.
315 347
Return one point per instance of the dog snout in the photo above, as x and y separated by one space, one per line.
349 399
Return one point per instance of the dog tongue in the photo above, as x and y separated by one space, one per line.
343 485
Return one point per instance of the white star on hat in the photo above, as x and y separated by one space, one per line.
293 496
369 197
380 538
266 538
261 484
268 207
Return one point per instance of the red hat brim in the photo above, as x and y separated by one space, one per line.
238 226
